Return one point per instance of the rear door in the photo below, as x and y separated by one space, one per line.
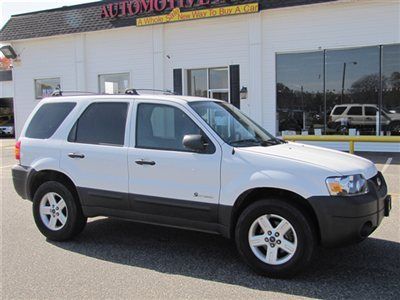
370 115
166 179
355 116
95 154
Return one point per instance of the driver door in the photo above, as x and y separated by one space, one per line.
165 178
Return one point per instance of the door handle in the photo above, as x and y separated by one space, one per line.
76 155
145 162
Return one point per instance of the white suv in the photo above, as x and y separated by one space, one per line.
363 116
193 163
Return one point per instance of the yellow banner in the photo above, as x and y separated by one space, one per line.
176 15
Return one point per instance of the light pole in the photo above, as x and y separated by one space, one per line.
344 78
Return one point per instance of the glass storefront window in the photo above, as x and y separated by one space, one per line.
211 83
390 117
299 88
347 88
45 87
219 78
113 83
352 77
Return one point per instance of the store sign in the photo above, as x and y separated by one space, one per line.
173 7
176 15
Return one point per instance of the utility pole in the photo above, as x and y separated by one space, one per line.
344 78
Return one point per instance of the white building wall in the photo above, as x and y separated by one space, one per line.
125 50
206 43
41 58
251 41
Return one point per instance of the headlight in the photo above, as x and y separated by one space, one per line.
347 185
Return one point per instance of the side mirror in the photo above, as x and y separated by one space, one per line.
194 142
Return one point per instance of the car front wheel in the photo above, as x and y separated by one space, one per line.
274 238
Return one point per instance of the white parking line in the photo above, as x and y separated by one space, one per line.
387 164
4 167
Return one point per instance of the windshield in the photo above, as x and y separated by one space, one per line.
232 125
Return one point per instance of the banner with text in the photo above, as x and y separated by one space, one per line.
176 15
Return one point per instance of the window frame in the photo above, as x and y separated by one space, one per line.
126 130
211 149
187 78
44 78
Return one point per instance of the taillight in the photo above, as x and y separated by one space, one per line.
18 150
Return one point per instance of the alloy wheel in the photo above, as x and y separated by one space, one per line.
272 239
53 211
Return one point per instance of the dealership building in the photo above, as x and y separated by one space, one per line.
310 67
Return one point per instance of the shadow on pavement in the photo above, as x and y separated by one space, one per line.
381 157
367 270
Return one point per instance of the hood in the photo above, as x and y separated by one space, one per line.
394 116
340 162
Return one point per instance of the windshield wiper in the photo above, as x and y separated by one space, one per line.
274 141
246 141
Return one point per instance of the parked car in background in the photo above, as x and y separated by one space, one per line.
7 129
362 117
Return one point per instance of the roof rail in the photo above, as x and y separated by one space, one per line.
59 93
136 91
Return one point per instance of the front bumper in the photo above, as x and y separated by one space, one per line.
345 220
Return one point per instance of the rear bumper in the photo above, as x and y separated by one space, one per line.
20 175
346 220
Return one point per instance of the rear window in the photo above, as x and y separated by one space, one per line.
47 119
339 110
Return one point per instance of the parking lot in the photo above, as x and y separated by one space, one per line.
120 259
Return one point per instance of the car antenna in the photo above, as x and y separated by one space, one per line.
233 150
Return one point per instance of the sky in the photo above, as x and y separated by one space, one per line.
12 7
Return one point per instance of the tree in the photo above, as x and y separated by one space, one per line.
395 80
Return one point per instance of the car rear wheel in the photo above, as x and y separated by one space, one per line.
57 213
275 238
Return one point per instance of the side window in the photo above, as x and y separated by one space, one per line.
370 111
101 123
47 119
355 111
161 126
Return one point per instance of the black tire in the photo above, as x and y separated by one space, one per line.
394 128
306 237
75 222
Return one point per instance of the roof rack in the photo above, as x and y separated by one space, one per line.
135 91
59 93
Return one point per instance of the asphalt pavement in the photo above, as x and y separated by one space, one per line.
120 259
